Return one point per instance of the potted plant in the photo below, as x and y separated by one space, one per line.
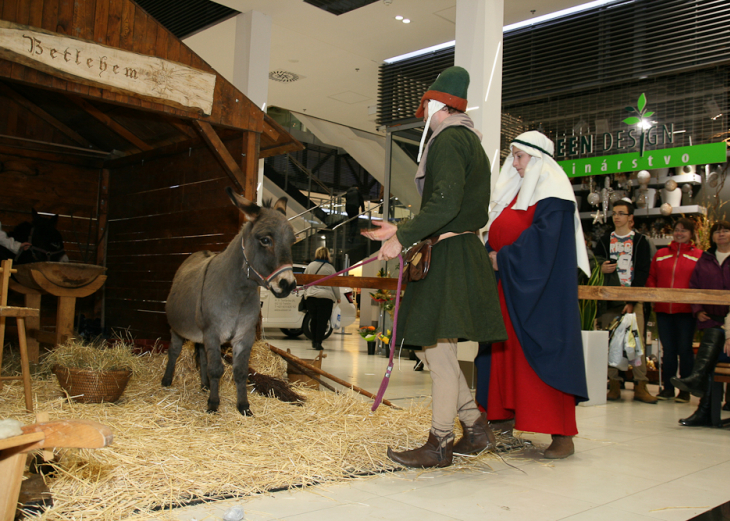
93 372
369 334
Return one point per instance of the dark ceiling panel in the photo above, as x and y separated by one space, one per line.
339 7
186 17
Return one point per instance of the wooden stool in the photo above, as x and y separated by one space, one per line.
20 314
56 434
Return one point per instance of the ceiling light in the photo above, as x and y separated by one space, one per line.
420 52
557 14
406 21
399 18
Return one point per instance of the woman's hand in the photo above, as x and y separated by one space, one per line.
702 316
493 258
628 308
390 249
727 346
386 231
608 267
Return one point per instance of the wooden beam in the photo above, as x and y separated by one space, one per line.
109 122
45 116
250 164
221 153
678 296
271 132
182 127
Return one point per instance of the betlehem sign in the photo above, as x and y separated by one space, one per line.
665 158
108 67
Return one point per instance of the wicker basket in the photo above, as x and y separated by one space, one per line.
87 386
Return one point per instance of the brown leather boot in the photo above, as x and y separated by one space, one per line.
614 390
561 447
437 452
503 427
641 394
476 438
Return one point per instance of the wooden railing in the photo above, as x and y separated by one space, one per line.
679 296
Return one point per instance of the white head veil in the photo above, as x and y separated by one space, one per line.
543 179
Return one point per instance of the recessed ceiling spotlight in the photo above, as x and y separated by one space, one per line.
399 17
406 21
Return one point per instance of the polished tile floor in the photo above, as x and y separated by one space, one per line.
633 462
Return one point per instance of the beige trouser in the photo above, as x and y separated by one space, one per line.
640 371
451 394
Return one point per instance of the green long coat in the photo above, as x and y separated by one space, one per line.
458 298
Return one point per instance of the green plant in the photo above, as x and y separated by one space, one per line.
640 113
589 308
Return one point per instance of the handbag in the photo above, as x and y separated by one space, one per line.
302 307
418 260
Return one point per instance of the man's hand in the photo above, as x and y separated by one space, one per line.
628 308
390 249
493 258
608 267
727 346
702 316
386 231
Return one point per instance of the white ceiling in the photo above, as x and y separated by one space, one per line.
337 57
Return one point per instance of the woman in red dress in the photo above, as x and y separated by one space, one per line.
536 245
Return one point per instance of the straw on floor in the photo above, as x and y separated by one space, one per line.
168 451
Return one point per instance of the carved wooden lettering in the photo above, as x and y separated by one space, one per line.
146 76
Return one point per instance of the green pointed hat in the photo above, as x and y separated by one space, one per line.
449 88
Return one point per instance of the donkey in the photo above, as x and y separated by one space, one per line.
214 298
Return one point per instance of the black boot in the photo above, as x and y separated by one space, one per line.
701 417
705 361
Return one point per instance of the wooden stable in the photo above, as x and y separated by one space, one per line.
135 174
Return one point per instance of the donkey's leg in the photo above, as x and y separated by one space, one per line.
241 354
215 369
203 361
176 343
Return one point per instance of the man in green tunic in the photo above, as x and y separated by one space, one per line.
458 299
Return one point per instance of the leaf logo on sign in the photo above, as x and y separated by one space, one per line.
641 113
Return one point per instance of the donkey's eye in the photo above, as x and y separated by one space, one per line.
265 241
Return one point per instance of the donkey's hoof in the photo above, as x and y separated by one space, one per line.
213 406
245 410
166 382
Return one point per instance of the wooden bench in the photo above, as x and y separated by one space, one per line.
722 376
55 434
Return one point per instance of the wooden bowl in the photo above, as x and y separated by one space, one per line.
62 274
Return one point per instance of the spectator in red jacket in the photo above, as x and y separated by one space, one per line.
672 267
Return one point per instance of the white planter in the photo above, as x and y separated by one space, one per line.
595 354
674 197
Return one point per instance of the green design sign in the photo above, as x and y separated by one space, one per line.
665 158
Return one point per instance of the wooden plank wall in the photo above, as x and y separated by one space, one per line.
160 211
125 25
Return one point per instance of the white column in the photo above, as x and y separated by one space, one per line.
479 51
251 56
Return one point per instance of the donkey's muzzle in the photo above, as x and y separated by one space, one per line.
283 287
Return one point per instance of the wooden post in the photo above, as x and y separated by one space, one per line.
250 164
101 234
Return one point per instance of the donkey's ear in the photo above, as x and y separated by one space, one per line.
53 220
280 205
250 210
35 214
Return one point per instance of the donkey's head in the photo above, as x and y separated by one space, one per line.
266 242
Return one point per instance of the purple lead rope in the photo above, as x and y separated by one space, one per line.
389 369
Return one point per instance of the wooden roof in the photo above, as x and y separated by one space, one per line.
96 117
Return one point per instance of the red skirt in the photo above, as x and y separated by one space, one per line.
516 391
